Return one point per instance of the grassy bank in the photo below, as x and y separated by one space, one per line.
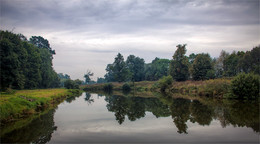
217 88
137 86
24 103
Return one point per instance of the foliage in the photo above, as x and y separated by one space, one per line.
117 72
136 68
165 82
250 62
71 84
157 69
108 87
202 67
87 76
179 66
246 86
26 65
126 87
101 80
63 78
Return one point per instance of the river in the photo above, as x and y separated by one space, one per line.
112 118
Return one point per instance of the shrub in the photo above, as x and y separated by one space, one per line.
165 82
108 87
246 86
126 87
70 84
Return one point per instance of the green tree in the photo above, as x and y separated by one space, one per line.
136 67
32 69
250 62
219 65
24 65
101 80
118 70
70 84
87 76
40 42
179 66
201 67
157 69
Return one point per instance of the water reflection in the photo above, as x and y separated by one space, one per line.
92 117
135 107
88 98
38 131
236 113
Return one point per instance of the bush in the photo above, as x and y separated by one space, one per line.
246 86
70 84
108 87
126 87
165 82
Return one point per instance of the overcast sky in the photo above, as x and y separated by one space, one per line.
88 34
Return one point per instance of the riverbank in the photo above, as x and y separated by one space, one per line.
217 88
21 104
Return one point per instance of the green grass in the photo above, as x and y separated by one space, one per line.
23 103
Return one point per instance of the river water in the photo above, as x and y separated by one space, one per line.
95 118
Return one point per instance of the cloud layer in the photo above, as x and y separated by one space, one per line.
88 34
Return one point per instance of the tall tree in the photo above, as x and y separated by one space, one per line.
201 67
87 76
24 65
118 70
136 67
231 64
219 65
40 42
157 69
179 66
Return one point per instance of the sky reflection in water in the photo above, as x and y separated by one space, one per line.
126 119
93 118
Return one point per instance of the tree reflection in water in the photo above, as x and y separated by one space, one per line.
182 110
38 131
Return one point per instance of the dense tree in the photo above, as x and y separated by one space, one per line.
202 67
118 70
192 58
101 80
157 69
230 64
219 65
40 42
179 66
70 84
250 61
136 68
24 65
63 78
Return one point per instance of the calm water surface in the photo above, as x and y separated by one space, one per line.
126 119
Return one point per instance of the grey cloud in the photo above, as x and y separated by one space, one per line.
96 26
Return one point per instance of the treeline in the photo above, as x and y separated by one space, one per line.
26 64
135 69
181 67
